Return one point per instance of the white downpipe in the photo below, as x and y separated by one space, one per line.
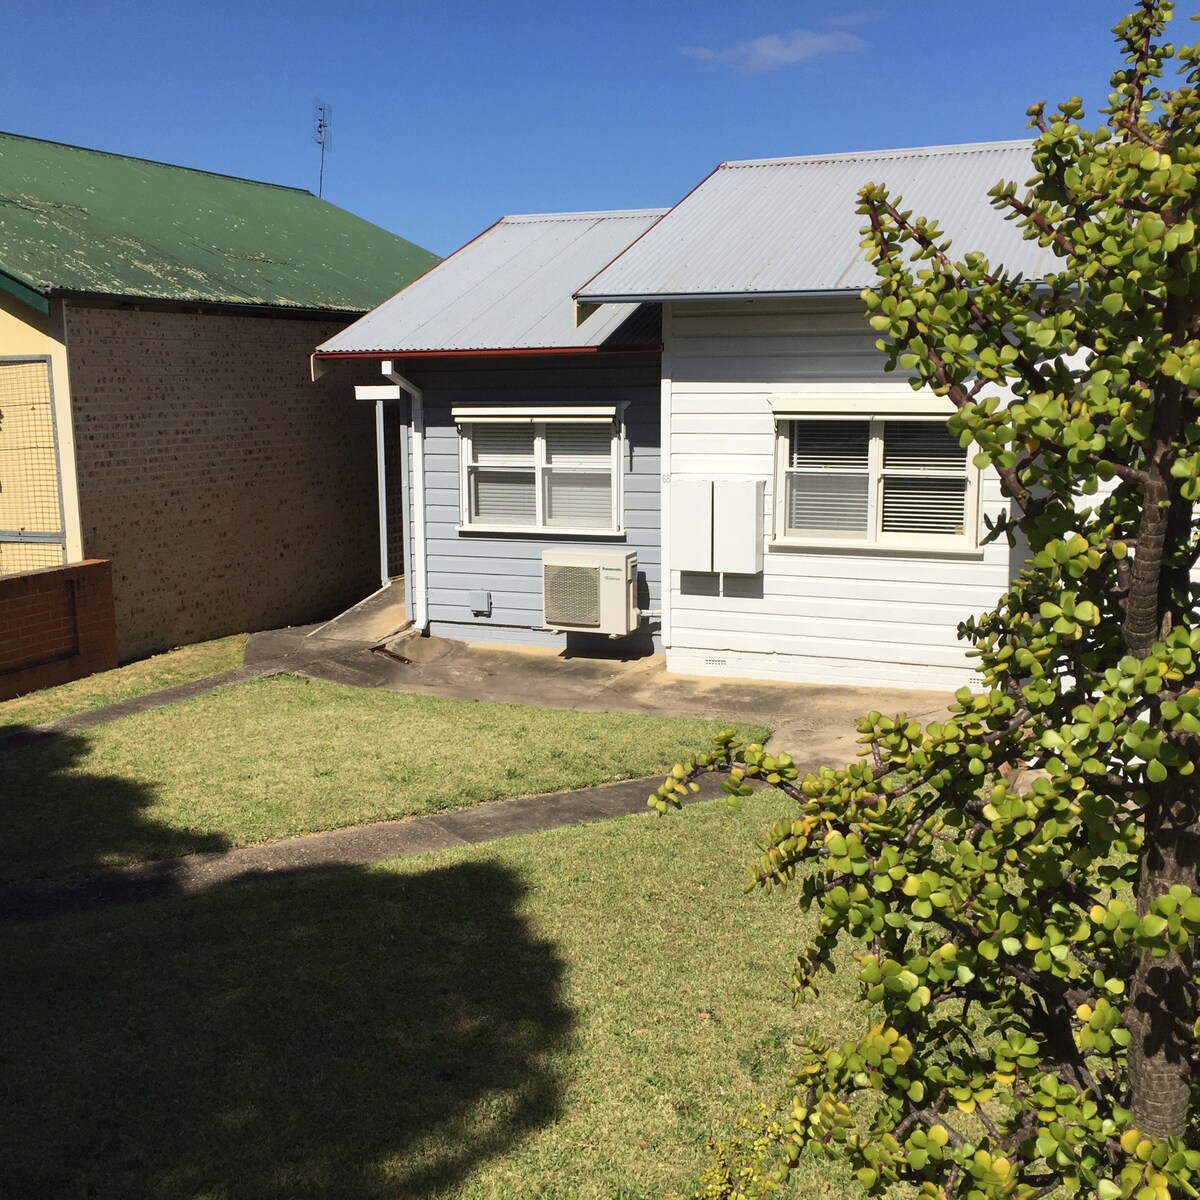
665 514
381 479
420 586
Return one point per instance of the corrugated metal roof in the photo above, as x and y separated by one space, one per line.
787 225
510 289
85 221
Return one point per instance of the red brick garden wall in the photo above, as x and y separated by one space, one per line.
56 625
230 492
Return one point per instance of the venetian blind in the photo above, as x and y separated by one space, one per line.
924 479
828 478
501 476
579 477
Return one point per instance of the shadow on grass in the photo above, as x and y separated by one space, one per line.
58 819
339 1032
342 1031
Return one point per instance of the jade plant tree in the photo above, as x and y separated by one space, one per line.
1018 883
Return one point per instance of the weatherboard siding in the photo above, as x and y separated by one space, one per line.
820 616
509 567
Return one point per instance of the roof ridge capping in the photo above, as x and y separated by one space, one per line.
514 218
877 155
155 162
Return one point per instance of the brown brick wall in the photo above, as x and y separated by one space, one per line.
55 625
230 492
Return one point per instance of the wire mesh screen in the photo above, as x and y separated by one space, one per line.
29 556
31 523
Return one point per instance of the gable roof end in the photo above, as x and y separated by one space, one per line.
788 226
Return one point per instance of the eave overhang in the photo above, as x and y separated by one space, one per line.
25 292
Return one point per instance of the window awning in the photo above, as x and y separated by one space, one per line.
533 412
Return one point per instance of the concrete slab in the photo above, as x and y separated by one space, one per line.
815 723
274 644
812 722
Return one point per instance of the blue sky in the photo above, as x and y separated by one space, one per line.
447 115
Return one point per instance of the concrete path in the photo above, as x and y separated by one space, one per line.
813 723
810 721
380 616
40 899
309 651
78 722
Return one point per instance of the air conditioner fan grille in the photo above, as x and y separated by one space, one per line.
572 595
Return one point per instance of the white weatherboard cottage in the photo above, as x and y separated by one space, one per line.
699 387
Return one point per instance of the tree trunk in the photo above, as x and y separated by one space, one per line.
1162 999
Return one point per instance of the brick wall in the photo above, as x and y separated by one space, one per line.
56 625
230 492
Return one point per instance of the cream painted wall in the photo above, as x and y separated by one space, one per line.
25 331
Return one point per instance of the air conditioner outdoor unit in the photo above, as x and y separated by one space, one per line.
590 591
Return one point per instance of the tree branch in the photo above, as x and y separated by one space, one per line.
1140 135
1043 225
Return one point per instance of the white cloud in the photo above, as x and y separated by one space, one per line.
853 18
774 50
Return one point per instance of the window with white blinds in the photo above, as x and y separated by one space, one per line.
829 478
560 475
874 481
924 483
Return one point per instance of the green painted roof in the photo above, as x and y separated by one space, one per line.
83 221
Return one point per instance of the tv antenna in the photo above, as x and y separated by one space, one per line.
323 136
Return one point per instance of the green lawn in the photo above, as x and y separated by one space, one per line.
565 1015
133 679
284 755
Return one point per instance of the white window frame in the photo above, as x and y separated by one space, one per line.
539 416
875 407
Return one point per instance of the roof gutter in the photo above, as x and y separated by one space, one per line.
509 352
590 303
242 308
25 292
29 294
586 305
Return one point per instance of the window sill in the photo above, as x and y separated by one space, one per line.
955 549
541 532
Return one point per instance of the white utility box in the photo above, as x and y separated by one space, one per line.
717 525
691 525
738 526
